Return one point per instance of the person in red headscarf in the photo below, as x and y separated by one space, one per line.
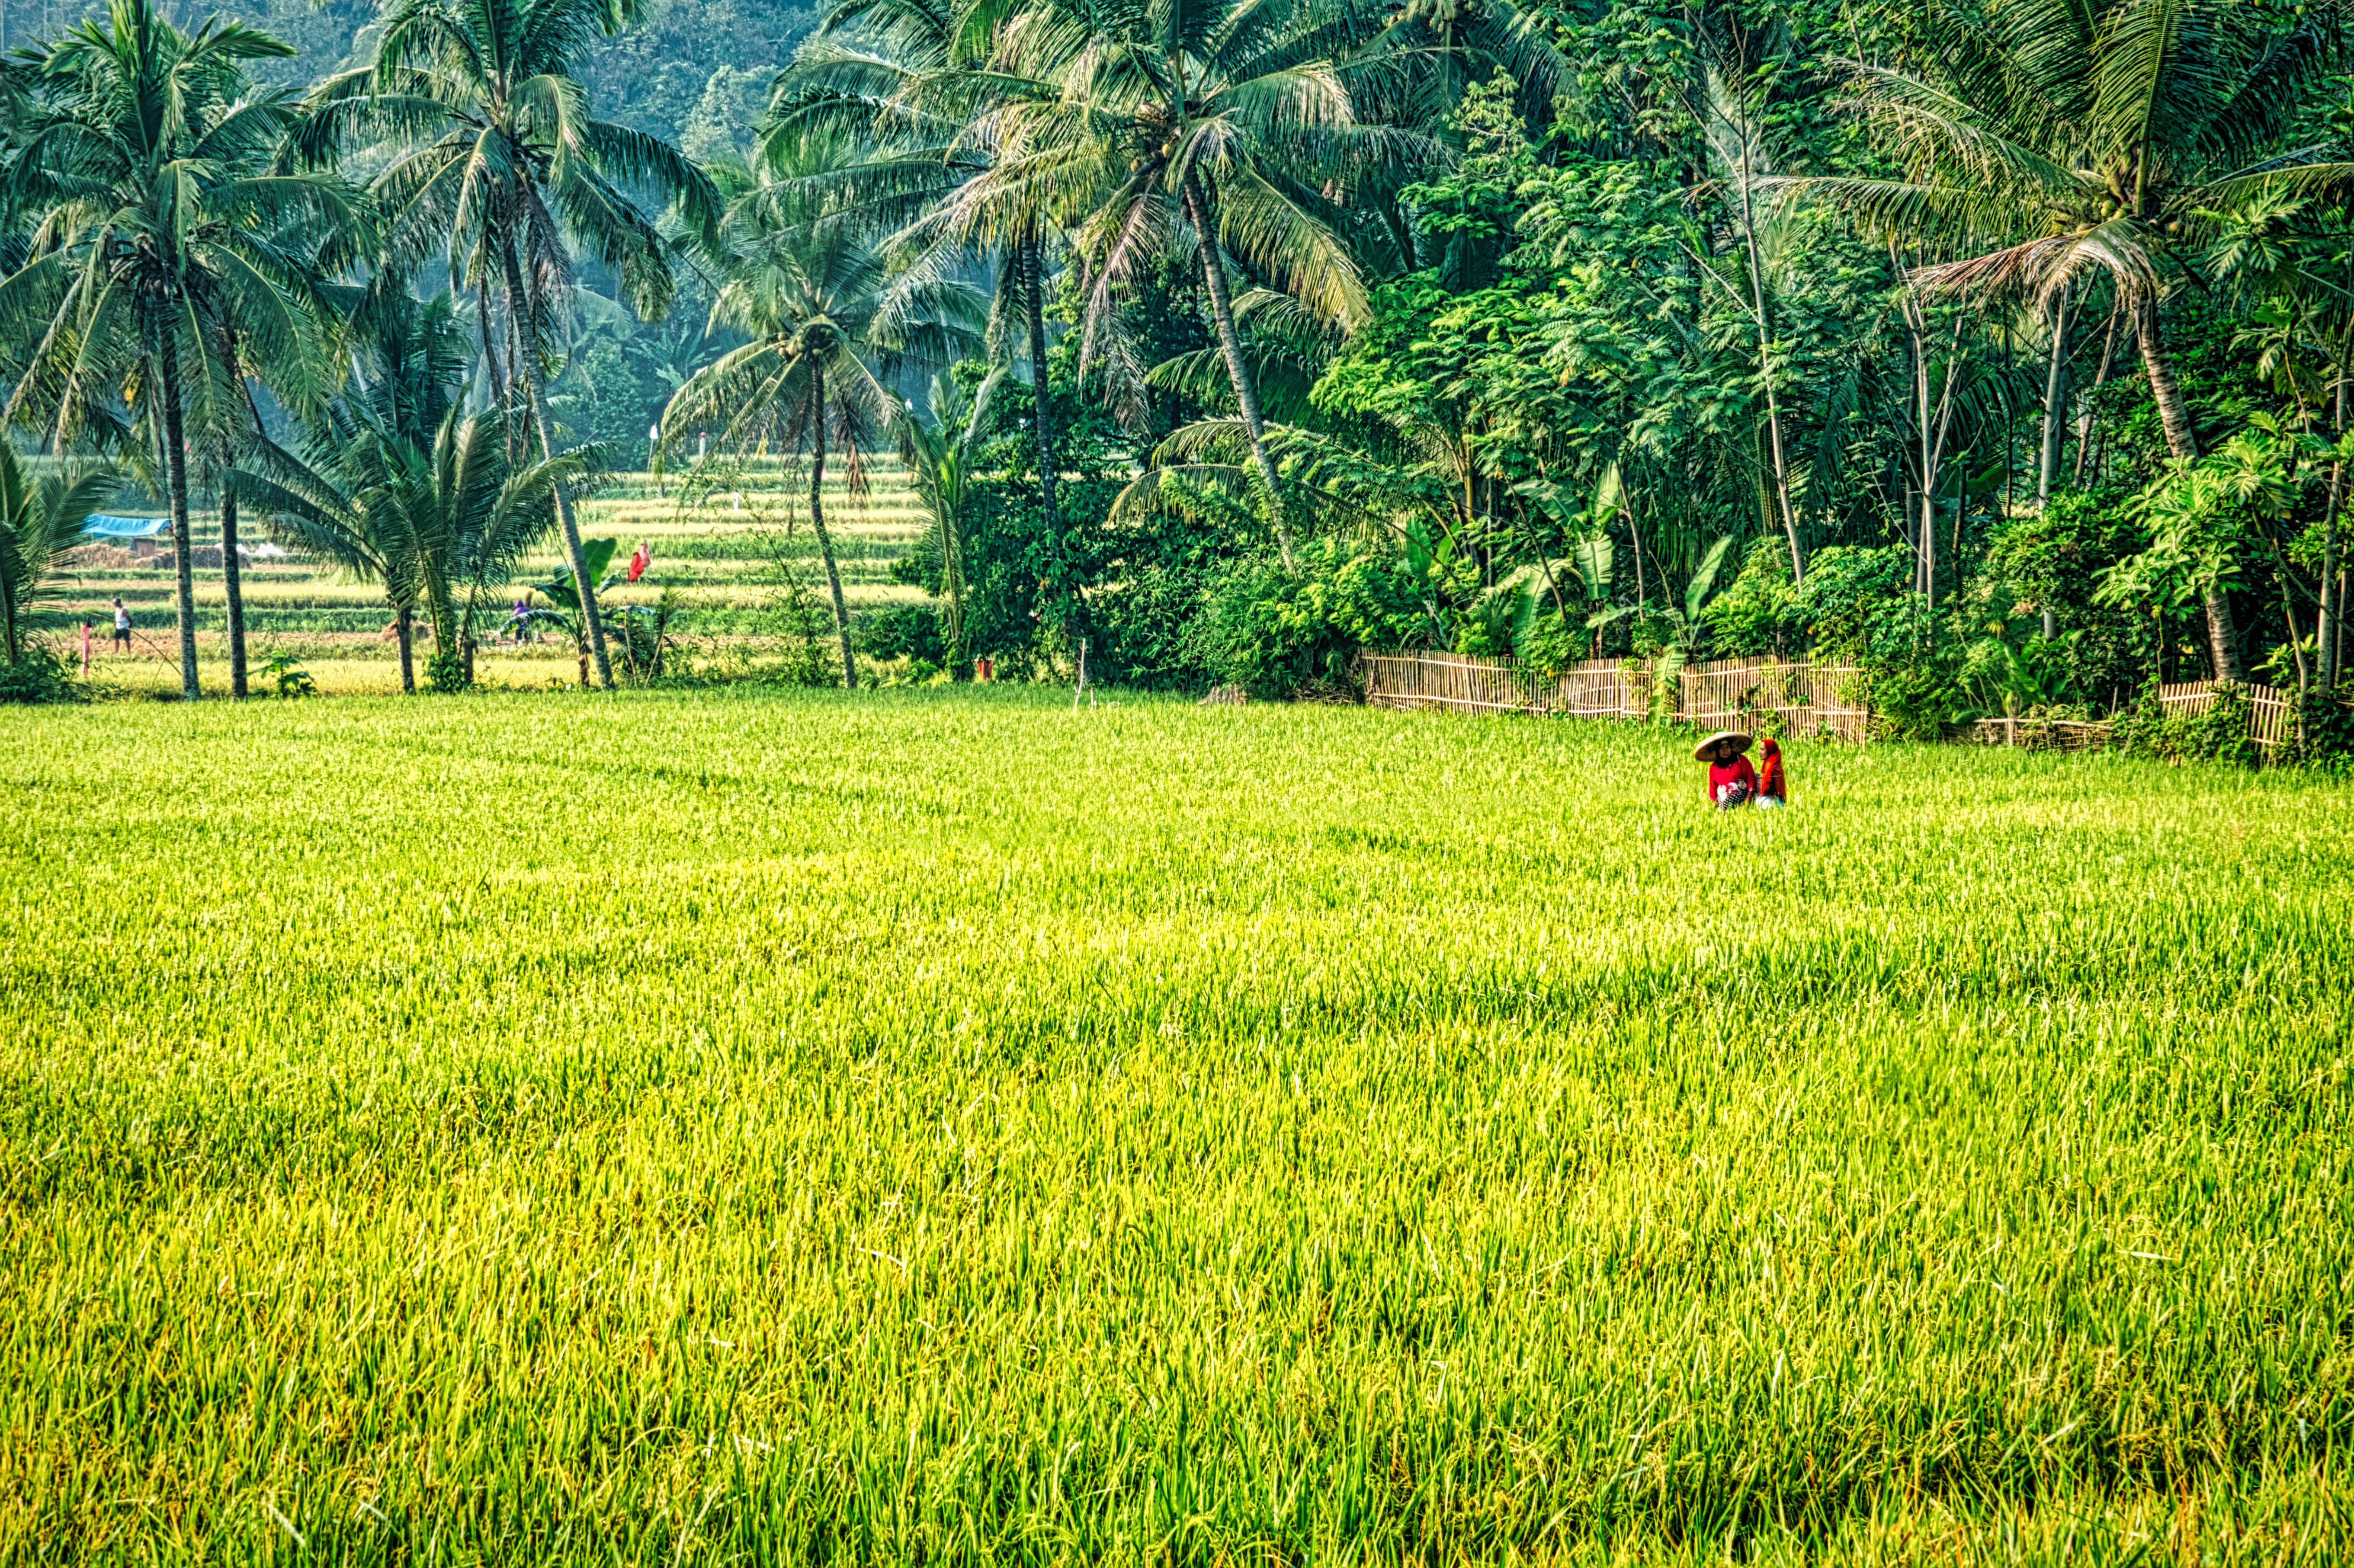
1772 791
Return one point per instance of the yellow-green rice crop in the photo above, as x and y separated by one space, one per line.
942 1127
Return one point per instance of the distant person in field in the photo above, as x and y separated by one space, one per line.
639 559
1772 791
122 627
1732 782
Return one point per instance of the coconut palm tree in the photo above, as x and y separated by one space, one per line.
2062 137
1228 124
831 327
40 520
502 171
409 370
164 226
442 526
911 85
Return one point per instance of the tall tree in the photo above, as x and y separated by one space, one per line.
442 526
408 371
1229 122
830 327
503 171
164 226
2058 137
913 85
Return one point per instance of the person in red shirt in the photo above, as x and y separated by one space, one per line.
1771 789
1731 780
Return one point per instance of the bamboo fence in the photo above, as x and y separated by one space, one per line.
2272 713
2041 734
1794 697
1601 688
1454 681
1750 693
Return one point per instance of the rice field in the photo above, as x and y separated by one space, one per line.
940 1127
729 556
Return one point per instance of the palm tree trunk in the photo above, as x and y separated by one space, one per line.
952 579
524 374
2324 628
2055 432
490 345
1764 366
1031 261
573 554
236 589
2325 642
1032 264
232 569
175 469
404 624
2100 379
13 649
825 540
1213 268
2182 442
2055 396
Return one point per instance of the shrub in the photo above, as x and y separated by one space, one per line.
2218 732
900 631
1753 615
1859 604
40 676
1274 632
287 672
1916 696
446 671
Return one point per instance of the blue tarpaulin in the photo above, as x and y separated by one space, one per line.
101 526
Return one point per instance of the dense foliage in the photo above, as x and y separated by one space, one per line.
1999 345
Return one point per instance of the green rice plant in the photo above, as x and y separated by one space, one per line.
942 1127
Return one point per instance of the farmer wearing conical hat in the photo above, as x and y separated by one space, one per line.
1732 782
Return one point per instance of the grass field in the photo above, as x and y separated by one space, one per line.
939 1127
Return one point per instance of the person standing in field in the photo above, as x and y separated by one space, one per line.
1771 789
122 627
639 559
1732 782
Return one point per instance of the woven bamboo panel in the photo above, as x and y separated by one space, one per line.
1748 693
2039 734
1793 698
2272 713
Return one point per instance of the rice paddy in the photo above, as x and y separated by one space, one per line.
731 558
942 1127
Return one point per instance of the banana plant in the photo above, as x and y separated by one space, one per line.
563 598
1683 618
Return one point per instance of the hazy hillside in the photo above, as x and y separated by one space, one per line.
692 71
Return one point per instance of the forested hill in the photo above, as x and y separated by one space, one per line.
693 71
